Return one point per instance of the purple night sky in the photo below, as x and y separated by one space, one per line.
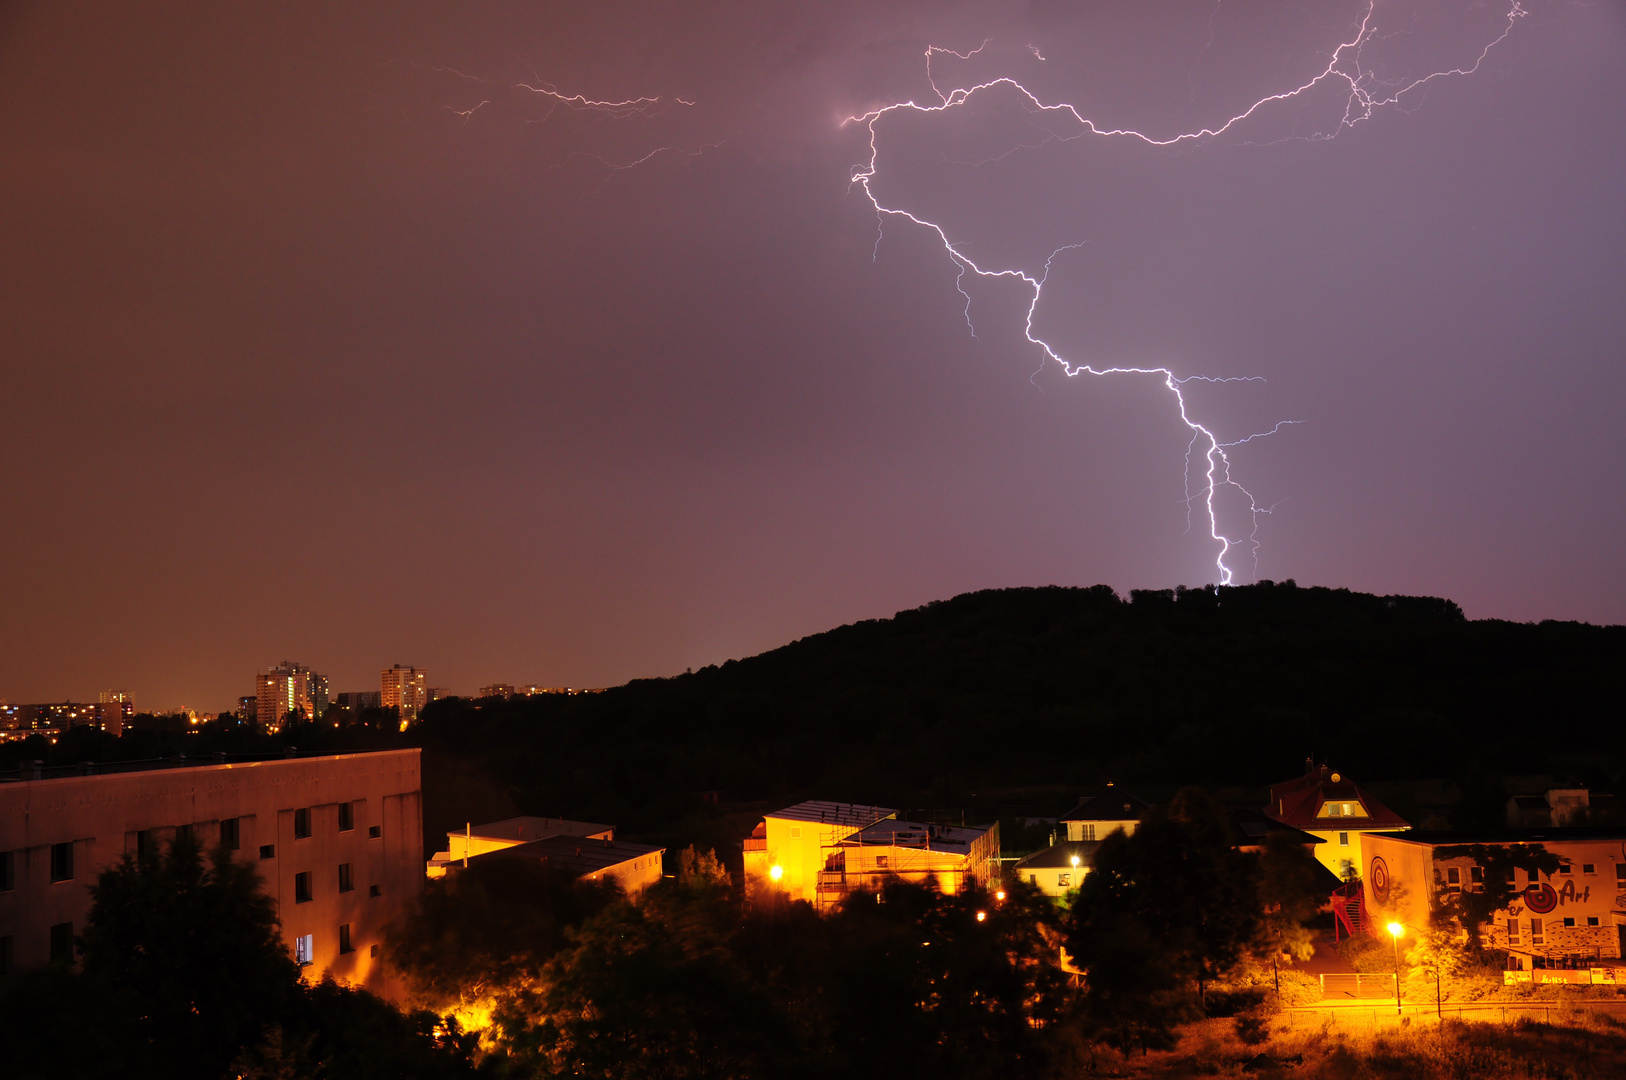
298 361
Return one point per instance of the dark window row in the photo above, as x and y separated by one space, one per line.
304 891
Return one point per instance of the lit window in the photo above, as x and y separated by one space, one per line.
305 949
1064 880
880 862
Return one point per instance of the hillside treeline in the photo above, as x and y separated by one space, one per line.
1020 688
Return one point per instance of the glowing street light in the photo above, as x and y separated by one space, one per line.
1396 931
982 916
776 872
1000 896
1075 862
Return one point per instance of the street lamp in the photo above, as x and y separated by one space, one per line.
1395 931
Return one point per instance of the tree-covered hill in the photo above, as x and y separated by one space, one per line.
1018 688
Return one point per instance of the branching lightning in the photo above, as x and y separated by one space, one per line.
1363 97
499 94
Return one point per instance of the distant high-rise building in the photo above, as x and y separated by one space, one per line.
439 693
357 700
114 709
247 708
405 690
288 687
502 690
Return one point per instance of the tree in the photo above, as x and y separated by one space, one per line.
476 931
194 951
1476 903
183 973
1288 898
1173 904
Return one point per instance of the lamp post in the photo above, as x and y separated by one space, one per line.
1395 930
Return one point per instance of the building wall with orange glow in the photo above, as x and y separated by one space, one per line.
101 818
1402 877
799 849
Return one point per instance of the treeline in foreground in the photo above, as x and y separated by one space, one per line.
524 973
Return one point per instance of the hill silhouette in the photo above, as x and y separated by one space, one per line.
950 704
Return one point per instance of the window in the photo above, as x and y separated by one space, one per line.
146 843
373 890
62 943
1620 873
183 834
881 862
344 940
302 888
1089 831
268 851
1569 921
1476 877
231 836
1064 880
1592 920
374 831
795 832
1335 809
8 871
1033 879
347 816
372 950
346 883
1535 876
1346 867
1453 880
302 824
1536 935
1589 868
305 949
1564 868
1343 839
1513 931
62 865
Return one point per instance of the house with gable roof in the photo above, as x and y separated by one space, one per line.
1335 809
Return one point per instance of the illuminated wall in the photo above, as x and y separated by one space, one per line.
297 822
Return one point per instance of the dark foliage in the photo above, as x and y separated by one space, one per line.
182 973
1023 687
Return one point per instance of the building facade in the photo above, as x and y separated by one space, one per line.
289 688
822 852
1332 808
404 689
1572 917
337 841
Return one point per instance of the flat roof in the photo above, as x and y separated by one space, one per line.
534 828
893 833
25 773
853 815
575 854
1555 835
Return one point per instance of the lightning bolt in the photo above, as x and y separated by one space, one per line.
1363 98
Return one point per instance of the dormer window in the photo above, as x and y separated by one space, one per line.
1342 809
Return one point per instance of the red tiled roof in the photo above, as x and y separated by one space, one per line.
1298 803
